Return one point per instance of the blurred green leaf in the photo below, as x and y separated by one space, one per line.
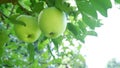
45 56
85 7
93 33
3 37
35 64
50 3
63 6
7 62
13 20
81 38
19 10
74 29
37 9
102 6
1 52
50 51
117 1
82 26
57 42
31 52
33 2
42 44
90 21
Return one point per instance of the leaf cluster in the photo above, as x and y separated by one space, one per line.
82 19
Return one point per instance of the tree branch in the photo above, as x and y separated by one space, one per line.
8 1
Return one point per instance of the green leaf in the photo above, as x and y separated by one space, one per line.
74 29
63 6
42 44
31 52
7 62
57 42
13 20
1 54
50 51
50 3
33 2
58 61
86 7
82 26
93 33
117 1
37 7
35 64
101 6
3 37
19 10
91 22
81 38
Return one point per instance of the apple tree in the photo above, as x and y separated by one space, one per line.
34 36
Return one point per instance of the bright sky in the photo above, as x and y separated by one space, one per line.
99 50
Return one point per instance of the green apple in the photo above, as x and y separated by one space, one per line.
29 32
52 22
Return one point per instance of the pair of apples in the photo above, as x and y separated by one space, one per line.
51 22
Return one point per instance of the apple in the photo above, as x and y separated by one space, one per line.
29 32
52 22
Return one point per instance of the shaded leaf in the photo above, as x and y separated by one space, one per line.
1 51
32 2
3 37
50 3
76 31
58 61
50 51
101 6
73 28
57 42
13 20
91 22
42 44
31 52
45 55
93 33
63 6
81 38
85 7
82 26
38 7
117 1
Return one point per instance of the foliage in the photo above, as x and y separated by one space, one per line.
117 1
61 52
113 63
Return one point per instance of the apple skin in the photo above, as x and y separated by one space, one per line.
52 22
29 33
